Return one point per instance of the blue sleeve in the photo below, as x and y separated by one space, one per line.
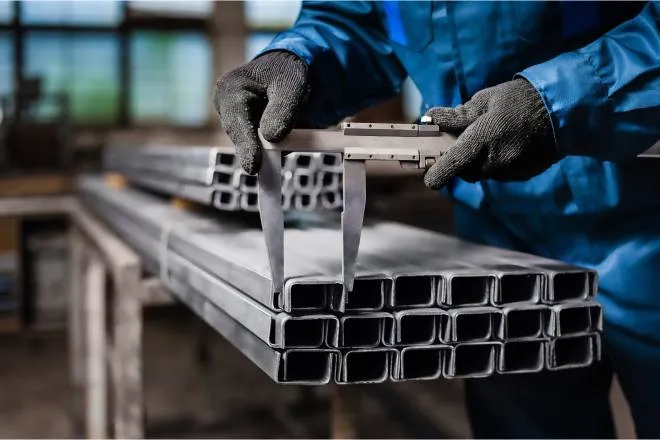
604 99
352 65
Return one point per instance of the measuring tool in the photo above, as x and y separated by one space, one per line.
412 145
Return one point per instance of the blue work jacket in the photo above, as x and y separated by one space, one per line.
596 66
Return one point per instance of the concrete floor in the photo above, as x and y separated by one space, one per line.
216 392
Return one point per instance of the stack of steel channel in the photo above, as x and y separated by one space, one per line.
424 305
212 176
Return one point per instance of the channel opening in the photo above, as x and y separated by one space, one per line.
573 351
411 291
331 197
520 288
571 285
473 359
303 161
523 356
226 159
252 199
366 366
328 179
330 160
225 197
417 329
421 363
361 332
303 180
574 320
469 290
304 333
222 178
305 297
249 181
473 326
306 366
367 295
524 323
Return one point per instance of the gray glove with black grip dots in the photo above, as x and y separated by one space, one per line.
265 94
505 134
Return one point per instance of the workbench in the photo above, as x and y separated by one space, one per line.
107 295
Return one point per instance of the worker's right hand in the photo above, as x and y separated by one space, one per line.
265 94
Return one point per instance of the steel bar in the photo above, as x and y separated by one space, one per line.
575 318
294 366
366 330
237 254
279 330
521 356
168 170
576 351
578 284
422 362
420 326
367 365
524 322
476 359
474 324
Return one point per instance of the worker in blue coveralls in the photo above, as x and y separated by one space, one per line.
552 102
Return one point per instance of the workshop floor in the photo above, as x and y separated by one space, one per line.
196 393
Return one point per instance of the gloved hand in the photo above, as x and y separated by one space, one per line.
506 135
264 94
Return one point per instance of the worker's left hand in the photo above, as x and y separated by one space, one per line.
505 134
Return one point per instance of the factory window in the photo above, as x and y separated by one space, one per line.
6 12
85 66
255 43
6 63
117 62
264 18
187 8
271 14
87 13
170 78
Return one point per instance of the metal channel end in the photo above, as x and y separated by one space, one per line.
308 296
571 285
521 356
474 324
573 351
330 162
368 295
366 330
519 288
422 363
420 326
575 318
307 367
226 200
308 331
331 200
369 365
464 290
524 322
471 360
414 290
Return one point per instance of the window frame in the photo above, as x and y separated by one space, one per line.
129 23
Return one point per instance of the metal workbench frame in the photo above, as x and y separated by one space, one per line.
107 366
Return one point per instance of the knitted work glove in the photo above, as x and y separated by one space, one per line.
505 134
264 94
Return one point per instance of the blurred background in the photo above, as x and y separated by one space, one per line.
76 76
